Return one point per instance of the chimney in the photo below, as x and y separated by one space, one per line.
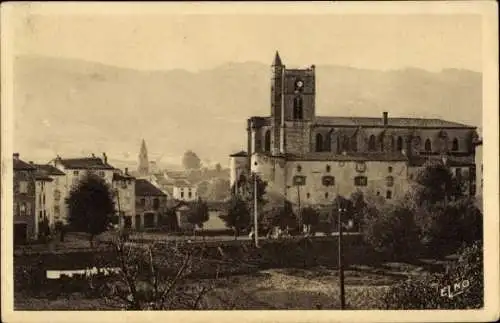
93 156
16 156
104 158
385 118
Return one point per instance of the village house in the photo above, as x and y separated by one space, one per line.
75 169
151 204
24 201
124 195
53 201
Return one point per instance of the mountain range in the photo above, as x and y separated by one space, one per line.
74 107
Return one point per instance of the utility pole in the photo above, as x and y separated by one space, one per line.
341 210
300 213
255 215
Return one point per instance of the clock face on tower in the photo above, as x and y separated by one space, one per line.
299 84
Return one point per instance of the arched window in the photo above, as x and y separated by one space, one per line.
428 145
400 144
345 143
297 108
382 145
372 143
393 144
454 146
354 144
267 141
327 144
319 142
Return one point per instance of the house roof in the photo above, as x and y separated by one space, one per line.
122 177
175 174
161 180
145 188
18 164
239 154
182 183
49 169
40 176
85 163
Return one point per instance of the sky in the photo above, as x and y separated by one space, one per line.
166 40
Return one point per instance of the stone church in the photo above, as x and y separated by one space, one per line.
309 159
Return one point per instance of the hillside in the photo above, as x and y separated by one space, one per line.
72 107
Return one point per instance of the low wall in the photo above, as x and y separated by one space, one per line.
236 257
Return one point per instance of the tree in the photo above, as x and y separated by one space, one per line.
198 213
202 189
434 184
237 217
191 161
391 230
310 218
218 189
249 192
91 206
359 206
152 277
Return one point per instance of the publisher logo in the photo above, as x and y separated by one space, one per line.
456 289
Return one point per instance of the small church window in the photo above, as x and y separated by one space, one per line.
428 145
400 144
319 142
299 168
267 141
297 108
454 146
328 168
372 143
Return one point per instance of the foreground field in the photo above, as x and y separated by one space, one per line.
269 289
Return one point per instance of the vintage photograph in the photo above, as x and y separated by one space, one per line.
208 158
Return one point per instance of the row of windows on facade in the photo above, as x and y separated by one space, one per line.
190 194
328 168
156 203
323 144
77 173
330 180
388 195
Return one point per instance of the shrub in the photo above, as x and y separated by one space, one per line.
432 291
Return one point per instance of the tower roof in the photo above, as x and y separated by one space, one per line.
277 60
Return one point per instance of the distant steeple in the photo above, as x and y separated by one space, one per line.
143 168
277 60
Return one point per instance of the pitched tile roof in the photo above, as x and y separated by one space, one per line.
145 188
239 154
85 163
331 121
49 169
328 156
122 177
392 122
182 183
18 164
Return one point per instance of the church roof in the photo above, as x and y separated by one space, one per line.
391 122
328 156
368 122
277 60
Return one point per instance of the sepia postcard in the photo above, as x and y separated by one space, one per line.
250 161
